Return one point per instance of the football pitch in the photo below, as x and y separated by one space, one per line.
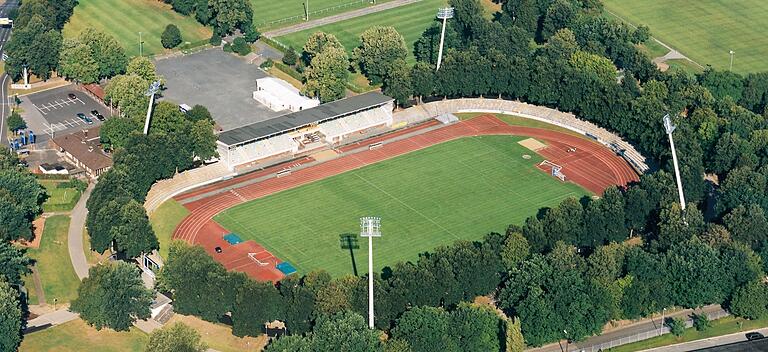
273 14
705 30
461 189
409 20
124 19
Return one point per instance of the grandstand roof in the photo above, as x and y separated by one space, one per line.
294 120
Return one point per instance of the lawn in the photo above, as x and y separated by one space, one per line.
461 189
124 19
723 326
410 20
705 30
52 260
273 14
164 221
59 199
77 336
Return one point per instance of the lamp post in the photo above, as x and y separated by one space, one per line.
444 14
141 46
670 127
370 227
730 67
661 328
153 88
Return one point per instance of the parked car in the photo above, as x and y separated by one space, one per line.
96 114
754 335
84 118
72 96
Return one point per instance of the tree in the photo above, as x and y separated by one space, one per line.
241 47
290 57
676 326
476 327
749 301
134 235
422 80
291 343
229 15
525 13
16 122
701 322
171 36
143 67
34 45
14 263
722 83
106 50
203 140
116 131
515 342
427 47
256 303
21 199
426 329
379 51
559 15
76 62
177 337
127 93
397 82
317 43
676 226
112 296
326 77
748 225
11 320
198 113
251 35
516 249
345 331
336 295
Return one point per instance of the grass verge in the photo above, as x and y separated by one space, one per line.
76 336
56 273
59 199
164 221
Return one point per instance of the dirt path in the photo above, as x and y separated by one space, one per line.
38 286
338 18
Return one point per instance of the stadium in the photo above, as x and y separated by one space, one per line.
304 178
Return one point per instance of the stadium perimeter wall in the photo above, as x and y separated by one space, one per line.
164 190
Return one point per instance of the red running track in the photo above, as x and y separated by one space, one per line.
591 165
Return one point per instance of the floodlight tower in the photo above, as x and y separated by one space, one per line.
444 14
370 227
670 127
730 67
153 88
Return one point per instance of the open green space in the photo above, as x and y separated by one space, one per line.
274 14
164 221
723 326
410 20
705 30
59 199
461 189
124 19
52 260
76 336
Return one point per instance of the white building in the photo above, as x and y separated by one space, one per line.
279 95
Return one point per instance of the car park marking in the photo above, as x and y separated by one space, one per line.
45 108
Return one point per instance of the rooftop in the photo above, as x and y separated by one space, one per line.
302 118
84 146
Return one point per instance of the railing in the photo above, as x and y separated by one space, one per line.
646 335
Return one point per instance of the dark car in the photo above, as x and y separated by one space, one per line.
217 249
754 335
84 118
97 115
72 96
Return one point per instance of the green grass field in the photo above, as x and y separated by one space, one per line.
164 221
124 19
462 189
274 14
52 260
705 30
410 20
59 199
76 336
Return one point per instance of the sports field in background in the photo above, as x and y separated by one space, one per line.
705 30
462 189
124 19
266 12
409 20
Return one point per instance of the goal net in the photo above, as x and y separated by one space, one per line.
556 170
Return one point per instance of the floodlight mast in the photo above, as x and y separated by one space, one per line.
444 14
670 127
153 88
370 227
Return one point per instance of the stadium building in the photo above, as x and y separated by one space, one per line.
305 130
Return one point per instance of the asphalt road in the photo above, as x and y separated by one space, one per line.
5 34
75 235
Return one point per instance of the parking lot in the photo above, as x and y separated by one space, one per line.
55 111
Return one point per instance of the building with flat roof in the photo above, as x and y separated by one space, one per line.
83 150
279 95
325 125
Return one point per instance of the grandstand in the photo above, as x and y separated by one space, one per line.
301 131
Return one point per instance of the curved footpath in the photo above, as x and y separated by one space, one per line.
75 235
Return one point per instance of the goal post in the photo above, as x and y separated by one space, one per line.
556 170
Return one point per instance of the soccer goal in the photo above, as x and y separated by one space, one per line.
557 170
